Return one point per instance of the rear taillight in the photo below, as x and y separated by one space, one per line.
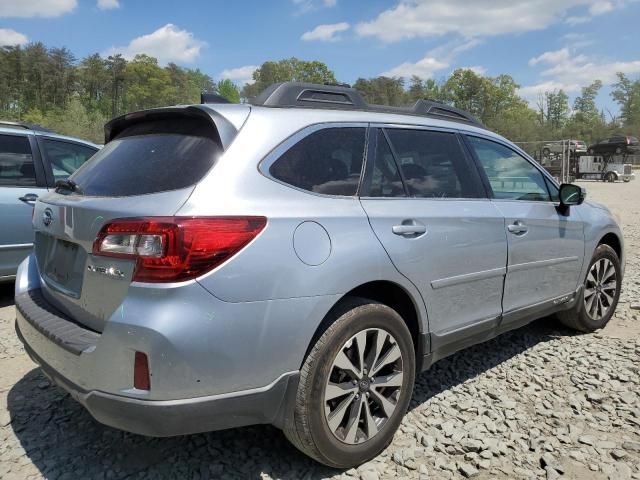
174 249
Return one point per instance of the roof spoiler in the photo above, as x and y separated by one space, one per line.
343 97
225 131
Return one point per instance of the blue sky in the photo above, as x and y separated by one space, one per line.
543 44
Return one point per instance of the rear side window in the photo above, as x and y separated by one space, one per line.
385 178
16 162
65 157
433 164
151 157
328 161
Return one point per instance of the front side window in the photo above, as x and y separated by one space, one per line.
433 164
328 161
64 157
16 162
511 176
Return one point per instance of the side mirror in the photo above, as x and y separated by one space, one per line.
571 194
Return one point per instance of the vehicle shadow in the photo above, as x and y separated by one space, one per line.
6 294
61 438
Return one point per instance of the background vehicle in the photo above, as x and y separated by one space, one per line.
608 169
31 160
575 147
618 144
251 267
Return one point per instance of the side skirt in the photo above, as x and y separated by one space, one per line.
445 344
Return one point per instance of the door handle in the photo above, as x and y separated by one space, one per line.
29 198
518 228
409 229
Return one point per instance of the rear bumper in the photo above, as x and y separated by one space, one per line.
269 404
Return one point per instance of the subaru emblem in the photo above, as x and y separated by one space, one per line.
47 217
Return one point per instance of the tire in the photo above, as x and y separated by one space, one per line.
626 180
581 317
546 152
611 177
335 444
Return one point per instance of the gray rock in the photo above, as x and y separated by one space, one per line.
467 470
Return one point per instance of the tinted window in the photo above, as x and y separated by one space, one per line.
328 161
64 157
147 163
511 176
16 161
433 164
385 178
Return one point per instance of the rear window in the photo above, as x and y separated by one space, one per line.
152 157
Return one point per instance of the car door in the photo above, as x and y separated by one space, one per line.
63 157
427 206
546 244
22 180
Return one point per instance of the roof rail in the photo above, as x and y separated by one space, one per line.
26 126
311 95
212 98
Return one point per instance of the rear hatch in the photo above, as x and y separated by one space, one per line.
148 167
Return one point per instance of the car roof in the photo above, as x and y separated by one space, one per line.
23 130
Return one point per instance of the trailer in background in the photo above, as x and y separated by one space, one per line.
608 168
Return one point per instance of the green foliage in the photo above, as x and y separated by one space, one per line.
228 90
48 86
287 70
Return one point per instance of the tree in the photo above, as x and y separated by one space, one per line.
287 70
228 90
148 84
382 90
627 94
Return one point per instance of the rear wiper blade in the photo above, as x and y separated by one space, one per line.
68 185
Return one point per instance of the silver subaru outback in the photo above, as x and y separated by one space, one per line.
297 262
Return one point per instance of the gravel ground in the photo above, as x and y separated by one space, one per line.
539 402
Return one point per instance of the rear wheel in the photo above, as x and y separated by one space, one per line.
355 386
600 293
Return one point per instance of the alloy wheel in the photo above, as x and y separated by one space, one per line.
364 385
600 289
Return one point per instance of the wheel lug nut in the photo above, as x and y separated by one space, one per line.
355 382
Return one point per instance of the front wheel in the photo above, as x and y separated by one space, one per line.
355 386
600 293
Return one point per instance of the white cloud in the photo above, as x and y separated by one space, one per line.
239 75
599 8
11 37
424 68
304 6
36 8
436 59
167 44
477 69
108 4
326 33
427 18
564 70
